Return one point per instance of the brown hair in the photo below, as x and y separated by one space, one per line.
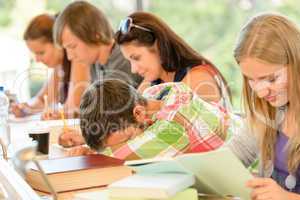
107 106
86 21
41 28
274 39
174 52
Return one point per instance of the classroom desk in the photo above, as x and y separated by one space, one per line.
19 129
19 132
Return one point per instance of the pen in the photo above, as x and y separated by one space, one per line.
62 115
46 106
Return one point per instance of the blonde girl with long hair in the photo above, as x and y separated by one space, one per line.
268 53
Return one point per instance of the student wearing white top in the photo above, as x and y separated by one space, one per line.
68 80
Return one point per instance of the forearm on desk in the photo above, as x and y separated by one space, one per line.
293 196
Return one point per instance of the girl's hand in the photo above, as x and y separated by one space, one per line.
50 115
266 189
19 110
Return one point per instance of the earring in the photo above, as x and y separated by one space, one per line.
290 182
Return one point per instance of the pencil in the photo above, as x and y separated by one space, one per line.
62 115
46 106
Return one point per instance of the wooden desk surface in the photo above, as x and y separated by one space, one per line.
70 195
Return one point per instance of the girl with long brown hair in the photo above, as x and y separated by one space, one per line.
68 80
159 55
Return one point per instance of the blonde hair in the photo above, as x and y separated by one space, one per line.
274 39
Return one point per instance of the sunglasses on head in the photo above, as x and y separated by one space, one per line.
126 25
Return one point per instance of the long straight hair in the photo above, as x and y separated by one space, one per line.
174 52
274 39
41 28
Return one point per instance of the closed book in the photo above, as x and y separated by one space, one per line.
154 186
72 173
187 194
217 172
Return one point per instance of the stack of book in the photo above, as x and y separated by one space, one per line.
187 194
217 173
151 186
80 172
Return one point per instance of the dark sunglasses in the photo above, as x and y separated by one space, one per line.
126 25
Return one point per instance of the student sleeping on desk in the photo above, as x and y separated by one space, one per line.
169 119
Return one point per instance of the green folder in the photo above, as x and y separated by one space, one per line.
188 194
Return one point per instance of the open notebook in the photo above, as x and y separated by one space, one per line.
217 172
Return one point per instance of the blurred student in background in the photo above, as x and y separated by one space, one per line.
68 80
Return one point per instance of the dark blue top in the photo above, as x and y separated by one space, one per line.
179 75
